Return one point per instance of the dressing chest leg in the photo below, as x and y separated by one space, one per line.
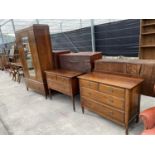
46 96
82 109
137 118
126 129
50 93
138 108
73 101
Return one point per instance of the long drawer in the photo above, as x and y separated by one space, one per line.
63 88
111 90
103 110
103 98
114 91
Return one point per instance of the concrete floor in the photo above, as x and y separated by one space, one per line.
26 112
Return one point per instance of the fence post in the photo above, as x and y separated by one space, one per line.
1 35
92 35
13 26
37 21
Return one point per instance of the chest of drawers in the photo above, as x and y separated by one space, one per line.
63 81
114 97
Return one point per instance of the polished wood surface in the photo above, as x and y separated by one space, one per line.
63 73
114 97
141 68
56 54
110 79
81 61
63 81
41 50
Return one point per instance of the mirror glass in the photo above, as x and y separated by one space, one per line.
28 56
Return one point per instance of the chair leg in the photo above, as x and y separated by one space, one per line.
19 78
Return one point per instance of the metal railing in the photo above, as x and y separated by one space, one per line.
10 26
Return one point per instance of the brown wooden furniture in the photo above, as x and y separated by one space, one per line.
81 61
147 39
34 45
135 68
4 61
56 54
16 70
63 81
114 97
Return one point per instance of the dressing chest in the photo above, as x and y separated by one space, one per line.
114 97
63 81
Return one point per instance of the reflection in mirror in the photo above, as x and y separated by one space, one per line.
28 56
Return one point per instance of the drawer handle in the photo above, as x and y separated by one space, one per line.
111 90
111 100
110 112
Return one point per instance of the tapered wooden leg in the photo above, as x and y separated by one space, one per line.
13 76
138 109
19 78
27 88
73 101
82 109
50 93
126 129
137 119
46 96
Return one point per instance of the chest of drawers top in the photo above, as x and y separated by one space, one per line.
110 79
63 73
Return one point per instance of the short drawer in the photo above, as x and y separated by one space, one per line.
115 102
103 98
114 91
89 84
103 110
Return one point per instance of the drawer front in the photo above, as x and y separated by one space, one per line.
58 78
51 76
63 88
114 91
103 98
62 80
89 84
102 110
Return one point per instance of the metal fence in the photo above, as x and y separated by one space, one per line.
111 36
